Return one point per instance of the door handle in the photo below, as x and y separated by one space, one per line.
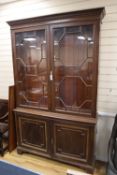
51 76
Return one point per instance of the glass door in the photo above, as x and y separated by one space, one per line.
32 71
73 68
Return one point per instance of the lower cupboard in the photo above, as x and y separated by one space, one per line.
59 139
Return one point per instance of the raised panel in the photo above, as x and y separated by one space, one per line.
71 142
33 133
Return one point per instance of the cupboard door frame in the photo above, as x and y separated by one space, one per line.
71 23
83 130
31 29
24 143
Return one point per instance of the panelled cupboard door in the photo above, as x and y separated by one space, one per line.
33 133
73 67
31 67
72 142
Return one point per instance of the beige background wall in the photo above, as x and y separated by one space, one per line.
107 86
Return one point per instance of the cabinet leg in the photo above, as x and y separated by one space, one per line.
90 171
19 151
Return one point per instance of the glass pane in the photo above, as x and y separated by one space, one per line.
31 63
73 57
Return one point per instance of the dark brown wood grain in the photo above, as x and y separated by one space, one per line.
11 119
77 118
83 15
55 62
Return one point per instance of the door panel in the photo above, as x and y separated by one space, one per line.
33 133
71 142
31 62
73 68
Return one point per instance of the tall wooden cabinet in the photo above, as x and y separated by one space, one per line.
55 62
